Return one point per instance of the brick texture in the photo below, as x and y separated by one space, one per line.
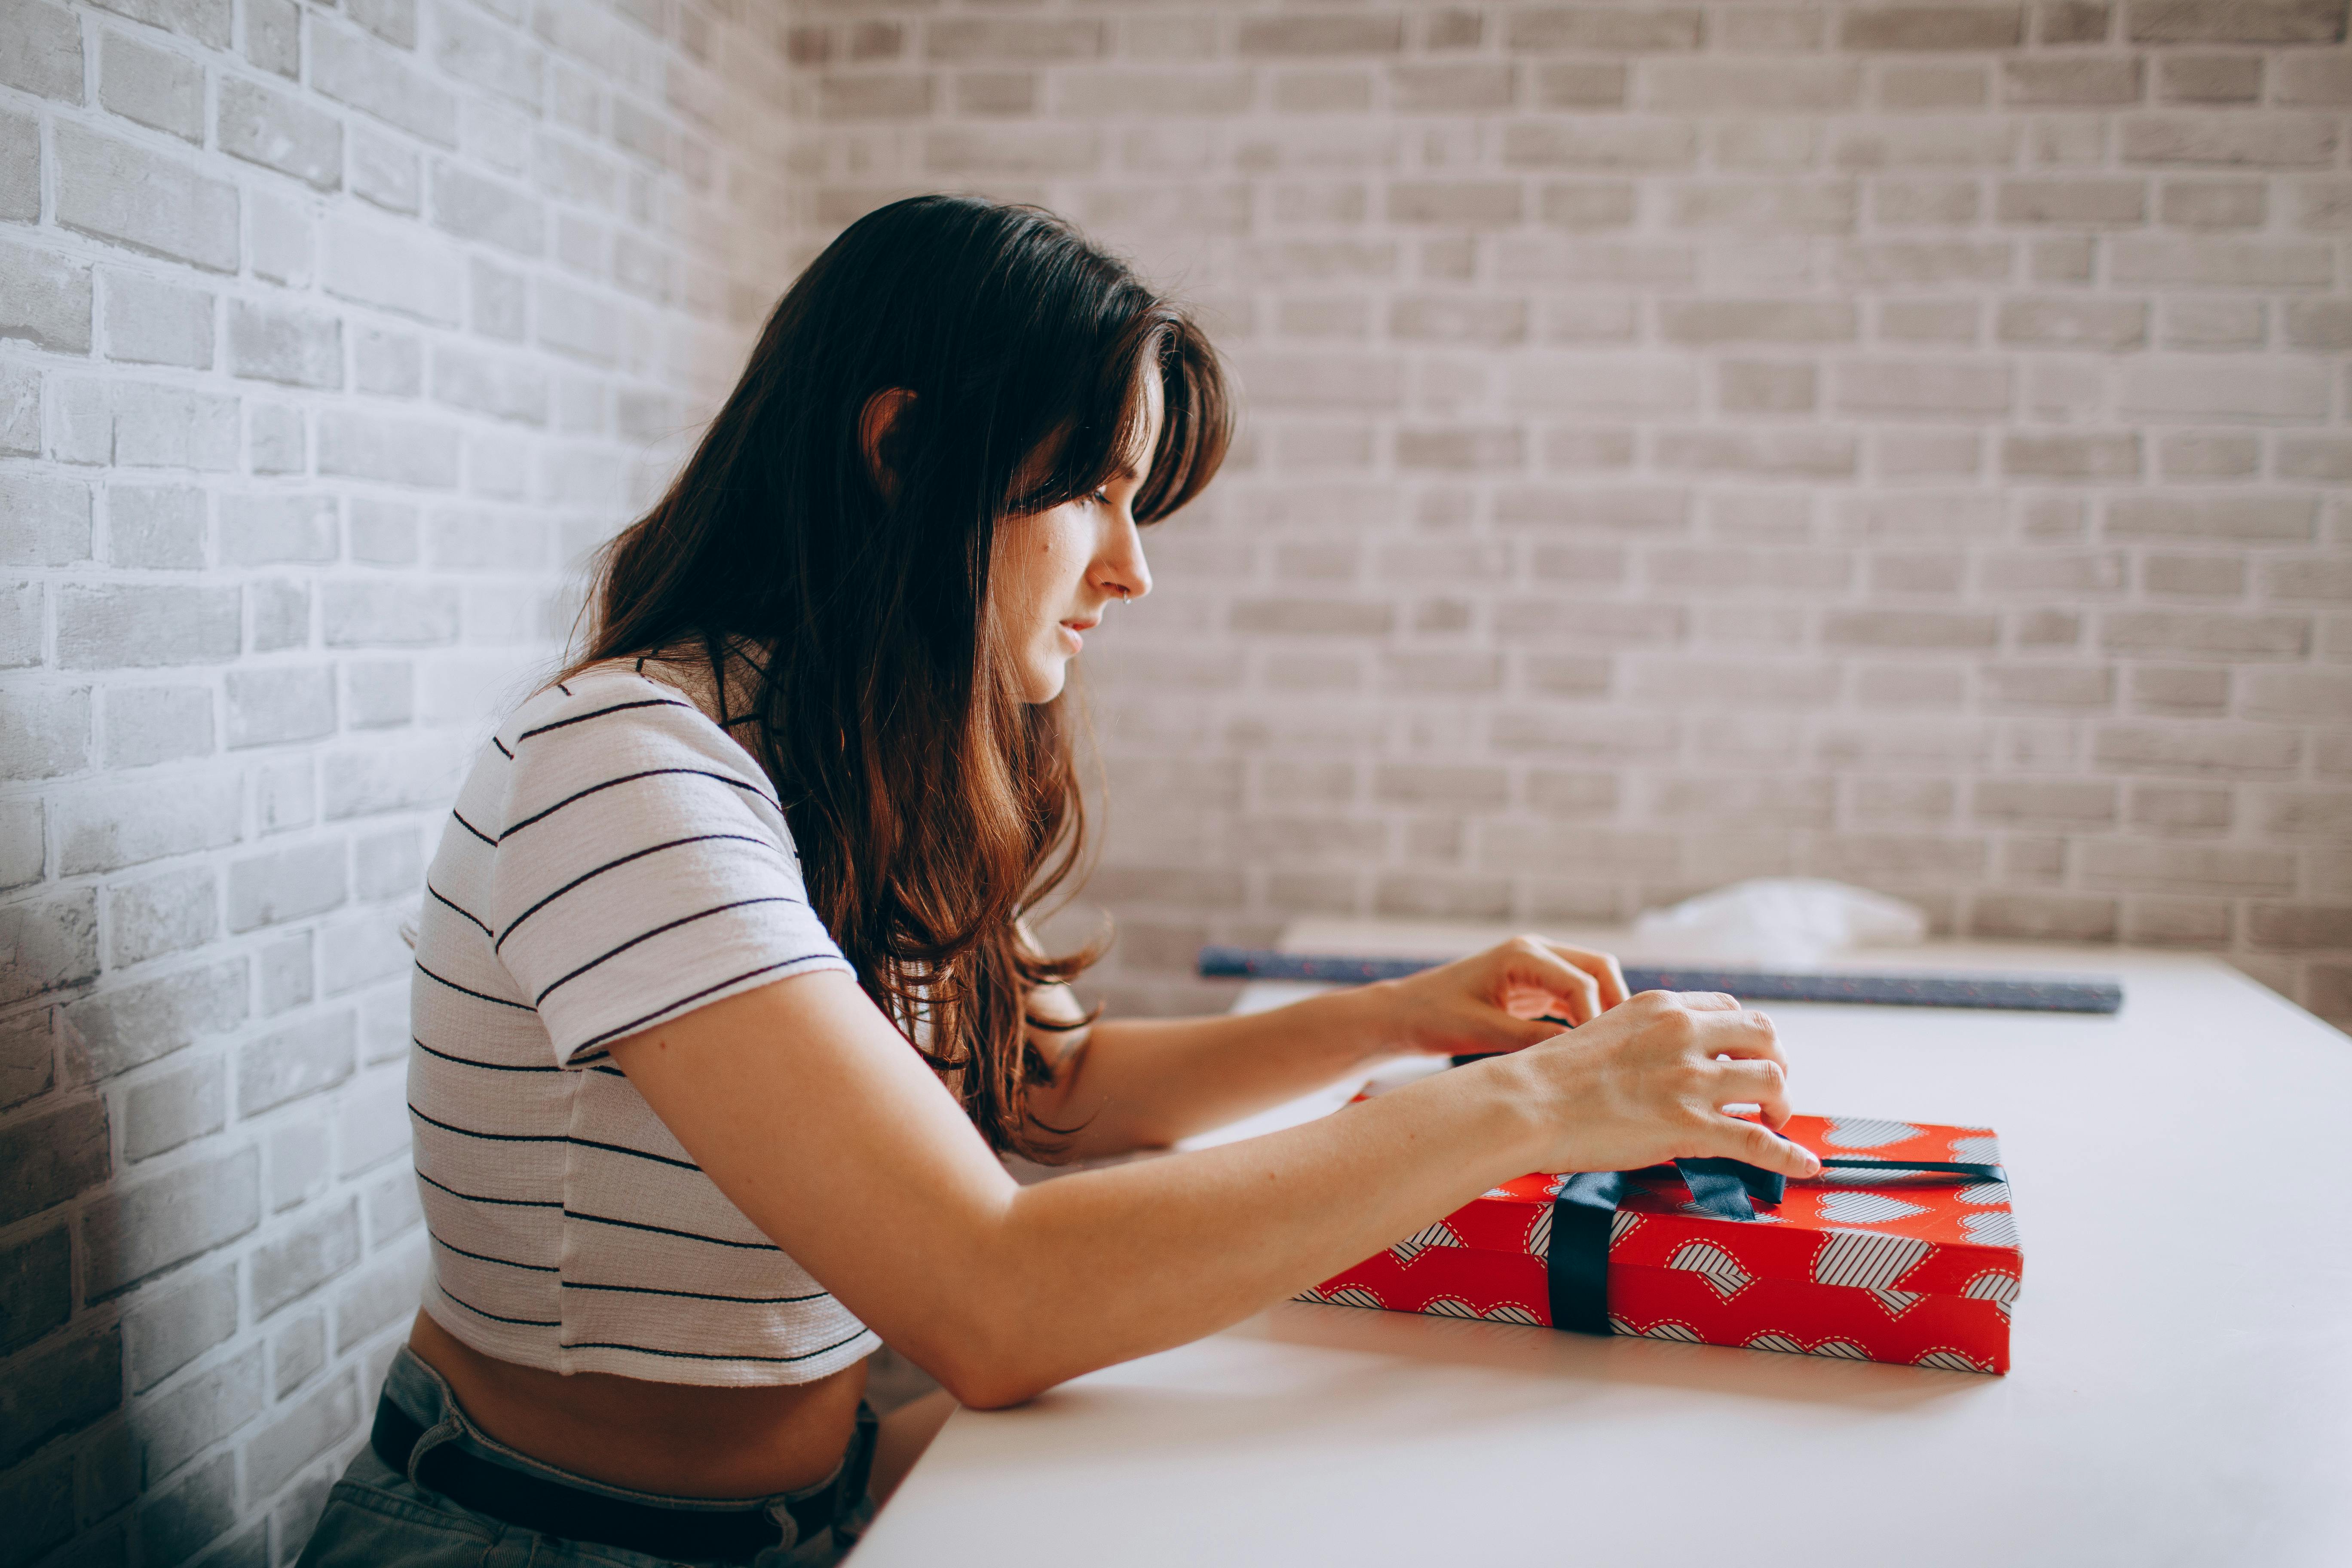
331 335
1902 442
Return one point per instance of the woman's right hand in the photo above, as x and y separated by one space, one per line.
1640 1084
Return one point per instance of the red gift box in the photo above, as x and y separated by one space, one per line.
1918 1267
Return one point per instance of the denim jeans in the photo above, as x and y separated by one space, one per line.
378 1518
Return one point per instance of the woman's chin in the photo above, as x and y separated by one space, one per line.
1045 681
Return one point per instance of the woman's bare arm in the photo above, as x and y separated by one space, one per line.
1146 1082
813 1115
1143 1083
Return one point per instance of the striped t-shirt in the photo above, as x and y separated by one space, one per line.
614 859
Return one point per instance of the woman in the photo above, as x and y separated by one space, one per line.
699 898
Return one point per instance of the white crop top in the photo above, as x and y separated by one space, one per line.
616 859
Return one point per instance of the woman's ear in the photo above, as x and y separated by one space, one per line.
878 429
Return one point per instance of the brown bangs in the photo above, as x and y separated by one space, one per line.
1195 430
1196 427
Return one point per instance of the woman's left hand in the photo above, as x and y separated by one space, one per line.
1508 996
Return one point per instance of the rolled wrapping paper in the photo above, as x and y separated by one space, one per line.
2012 993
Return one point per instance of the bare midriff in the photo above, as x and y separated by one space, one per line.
685 1439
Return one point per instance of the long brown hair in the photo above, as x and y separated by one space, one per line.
929 803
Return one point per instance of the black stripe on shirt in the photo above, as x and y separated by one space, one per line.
599 713
706 1355
700 1295
467 990
754 791
470 1062
636 1024
501 745
472 829
485 1257
502 1203
633 1154
500 940
489 1137
552 1137
672 925
660 1229
445 899
497 1318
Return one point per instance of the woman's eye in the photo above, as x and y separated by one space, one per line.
1102 496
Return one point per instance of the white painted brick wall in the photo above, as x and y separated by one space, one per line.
1902 442
329 337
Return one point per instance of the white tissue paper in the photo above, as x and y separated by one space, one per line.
1779 922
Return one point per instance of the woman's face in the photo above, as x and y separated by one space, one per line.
1054 571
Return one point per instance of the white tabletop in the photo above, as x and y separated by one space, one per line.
2182 1391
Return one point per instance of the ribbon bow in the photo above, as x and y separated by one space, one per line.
1585 1212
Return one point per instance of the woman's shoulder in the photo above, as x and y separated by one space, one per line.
619 712
610 687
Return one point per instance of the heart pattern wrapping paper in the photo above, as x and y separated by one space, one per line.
1915 1268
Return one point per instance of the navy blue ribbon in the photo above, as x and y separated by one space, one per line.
1584 1210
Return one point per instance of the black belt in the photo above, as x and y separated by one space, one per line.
569 1513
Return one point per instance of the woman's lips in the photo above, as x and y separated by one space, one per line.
1071 629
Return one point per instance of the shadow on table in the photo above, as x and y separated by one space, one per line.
1225 1394
1581 1358
1397 1374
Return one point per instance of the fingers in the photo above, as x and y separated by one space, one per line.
1745 1141
1577 992
1742 1033
1602 966
1761 1084
1708 1022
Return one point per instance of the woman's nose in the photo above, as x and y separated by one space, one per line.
1124 572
